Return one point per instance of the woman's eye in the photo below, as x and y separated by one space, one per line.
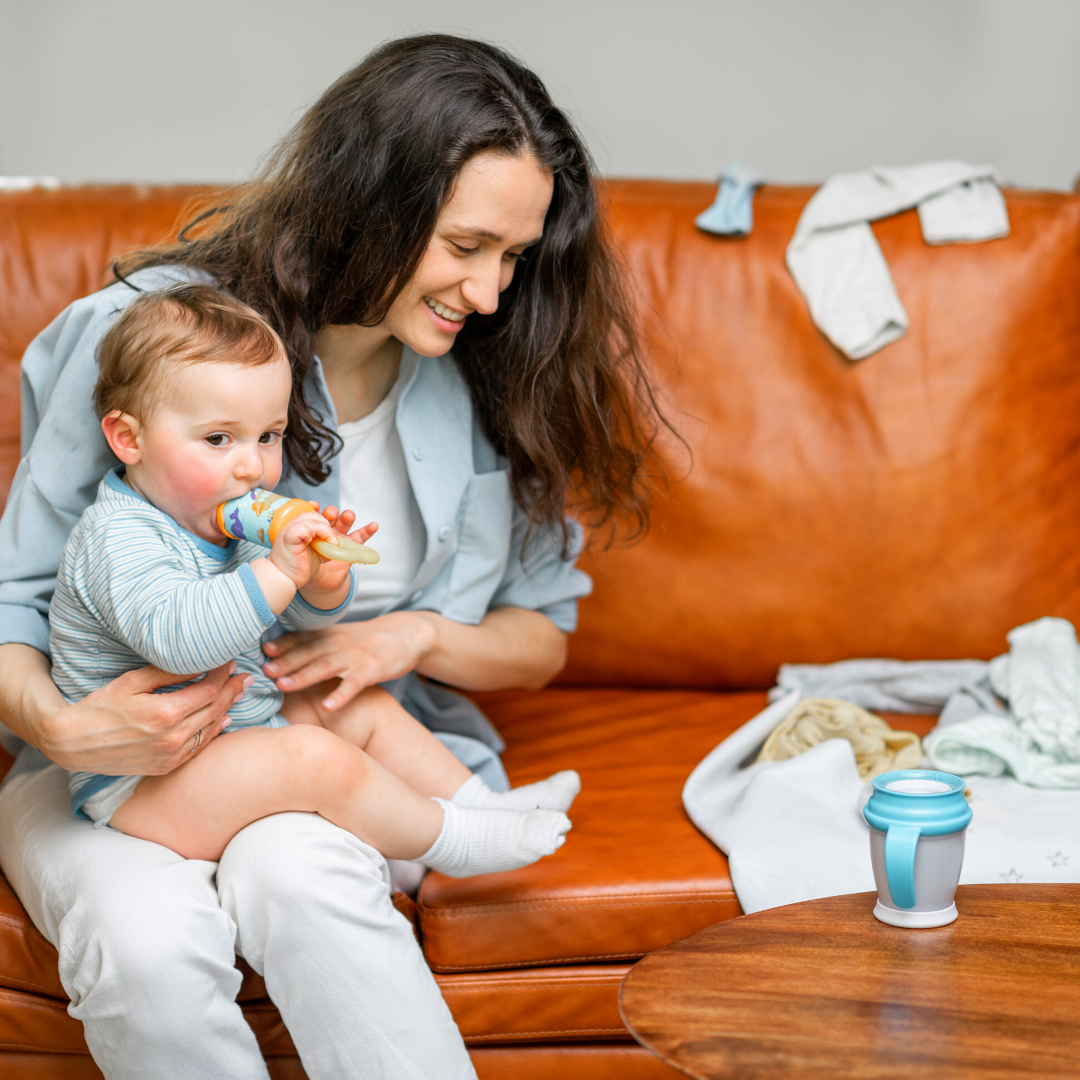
463 250
217 439
515 256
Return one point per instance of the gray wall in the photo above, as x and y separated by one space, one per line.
199 89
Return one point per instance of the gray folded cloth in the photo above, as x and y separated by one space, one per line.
956 689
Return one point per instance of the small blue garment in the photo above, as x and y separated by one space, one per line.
733 212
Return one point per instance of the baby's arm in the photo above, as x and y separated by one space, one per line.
143 591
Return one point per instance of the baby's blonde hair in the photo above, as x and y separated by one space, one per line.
186 323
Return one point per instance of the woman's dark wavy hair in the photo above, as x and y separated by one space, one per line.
336 225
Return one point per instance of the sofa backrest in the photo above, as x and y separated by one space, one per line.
917 504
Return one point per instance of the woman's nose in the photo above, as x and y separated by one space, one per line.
481 290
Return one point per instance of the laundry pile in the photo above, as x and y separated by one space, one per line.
793 829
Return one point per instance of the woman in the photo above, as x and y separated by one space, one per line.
383 232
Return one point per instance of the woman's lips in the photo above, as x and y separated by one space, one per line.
446 318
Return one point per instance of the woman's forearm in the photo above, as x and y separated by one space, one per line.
512 648
122 729
29 700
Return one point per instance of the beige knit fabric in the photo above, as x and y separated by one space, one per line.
878 748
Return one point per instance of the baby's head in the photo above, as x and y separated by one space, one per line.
193 395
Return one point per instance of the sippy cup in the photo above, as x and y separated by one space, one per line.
260 515
917 819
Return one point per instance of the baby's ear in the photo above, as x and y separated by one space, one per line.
121 432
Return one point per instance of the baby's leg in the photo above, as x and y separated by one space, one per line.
377 724
198 808
380 727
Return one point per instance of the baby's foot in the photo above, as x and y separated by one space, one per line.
555 793
486 841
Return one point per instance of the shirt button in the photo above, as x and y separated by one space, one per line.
418 454
416 596
444 532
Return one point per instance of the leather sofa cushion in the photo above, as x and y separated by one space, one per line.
634 873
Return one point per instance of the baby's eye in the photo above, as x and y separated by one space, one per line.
268 438
219 438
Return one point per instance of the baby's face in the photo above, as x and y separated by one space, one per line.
216 435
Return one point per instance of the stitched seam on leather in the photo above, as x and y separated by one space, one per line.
447 969
28 1048
32 1000
562 1031
531 905
9 982
525 987
691 897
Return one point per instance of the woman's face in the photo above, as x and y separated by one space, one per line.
496 212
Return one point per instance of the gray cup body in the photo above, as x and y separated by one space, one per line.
938 860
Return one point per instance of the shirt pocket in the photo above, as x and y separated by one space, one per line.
483 546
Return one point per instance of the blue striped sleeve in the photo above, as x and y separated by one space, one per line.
300 615
193 624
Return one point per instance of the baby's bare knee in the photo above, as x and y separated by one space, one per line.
319 755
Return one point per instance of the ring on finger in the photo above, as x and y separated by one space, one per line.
198 739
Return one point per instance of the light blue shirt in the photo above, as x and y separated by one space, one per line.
474 559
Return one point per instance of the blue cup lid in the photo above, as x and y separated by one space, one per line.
934 801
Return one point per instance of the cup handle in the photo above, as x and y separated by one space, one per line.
900 844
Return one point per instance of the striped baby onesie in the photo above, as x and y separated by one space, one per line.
134 588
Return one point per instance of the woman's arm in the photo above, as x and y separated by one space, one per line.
123 729
511 648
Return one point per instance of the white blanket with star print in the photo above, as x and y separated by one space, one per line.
793 830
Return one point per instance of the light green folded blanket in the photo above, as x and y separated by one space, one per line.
1038 741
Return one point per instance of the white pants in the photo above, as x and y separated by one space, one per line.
147 941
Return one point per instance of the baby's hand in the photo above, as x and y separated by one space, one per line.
329 582
292 553
343 521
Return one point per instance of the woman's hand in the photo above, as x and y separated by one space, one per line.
122 729
512 647
360 654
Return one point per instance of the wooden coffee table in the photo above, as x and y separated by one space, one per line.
823 991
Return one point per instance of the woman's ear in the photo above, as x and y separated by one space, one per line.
122 434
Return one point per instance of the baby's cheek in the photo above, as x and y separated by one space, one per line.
200 487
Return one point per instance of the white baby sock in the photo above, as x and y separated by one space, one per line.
488 841
555 793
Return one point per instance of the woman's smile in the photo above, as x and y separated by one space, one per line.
445 317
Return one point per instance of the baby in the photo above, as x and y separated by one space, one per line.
193 392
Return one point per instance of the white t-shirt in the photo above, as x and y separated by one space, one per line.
375 484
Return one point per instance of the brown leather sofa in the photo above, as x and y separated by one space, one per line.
917 504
